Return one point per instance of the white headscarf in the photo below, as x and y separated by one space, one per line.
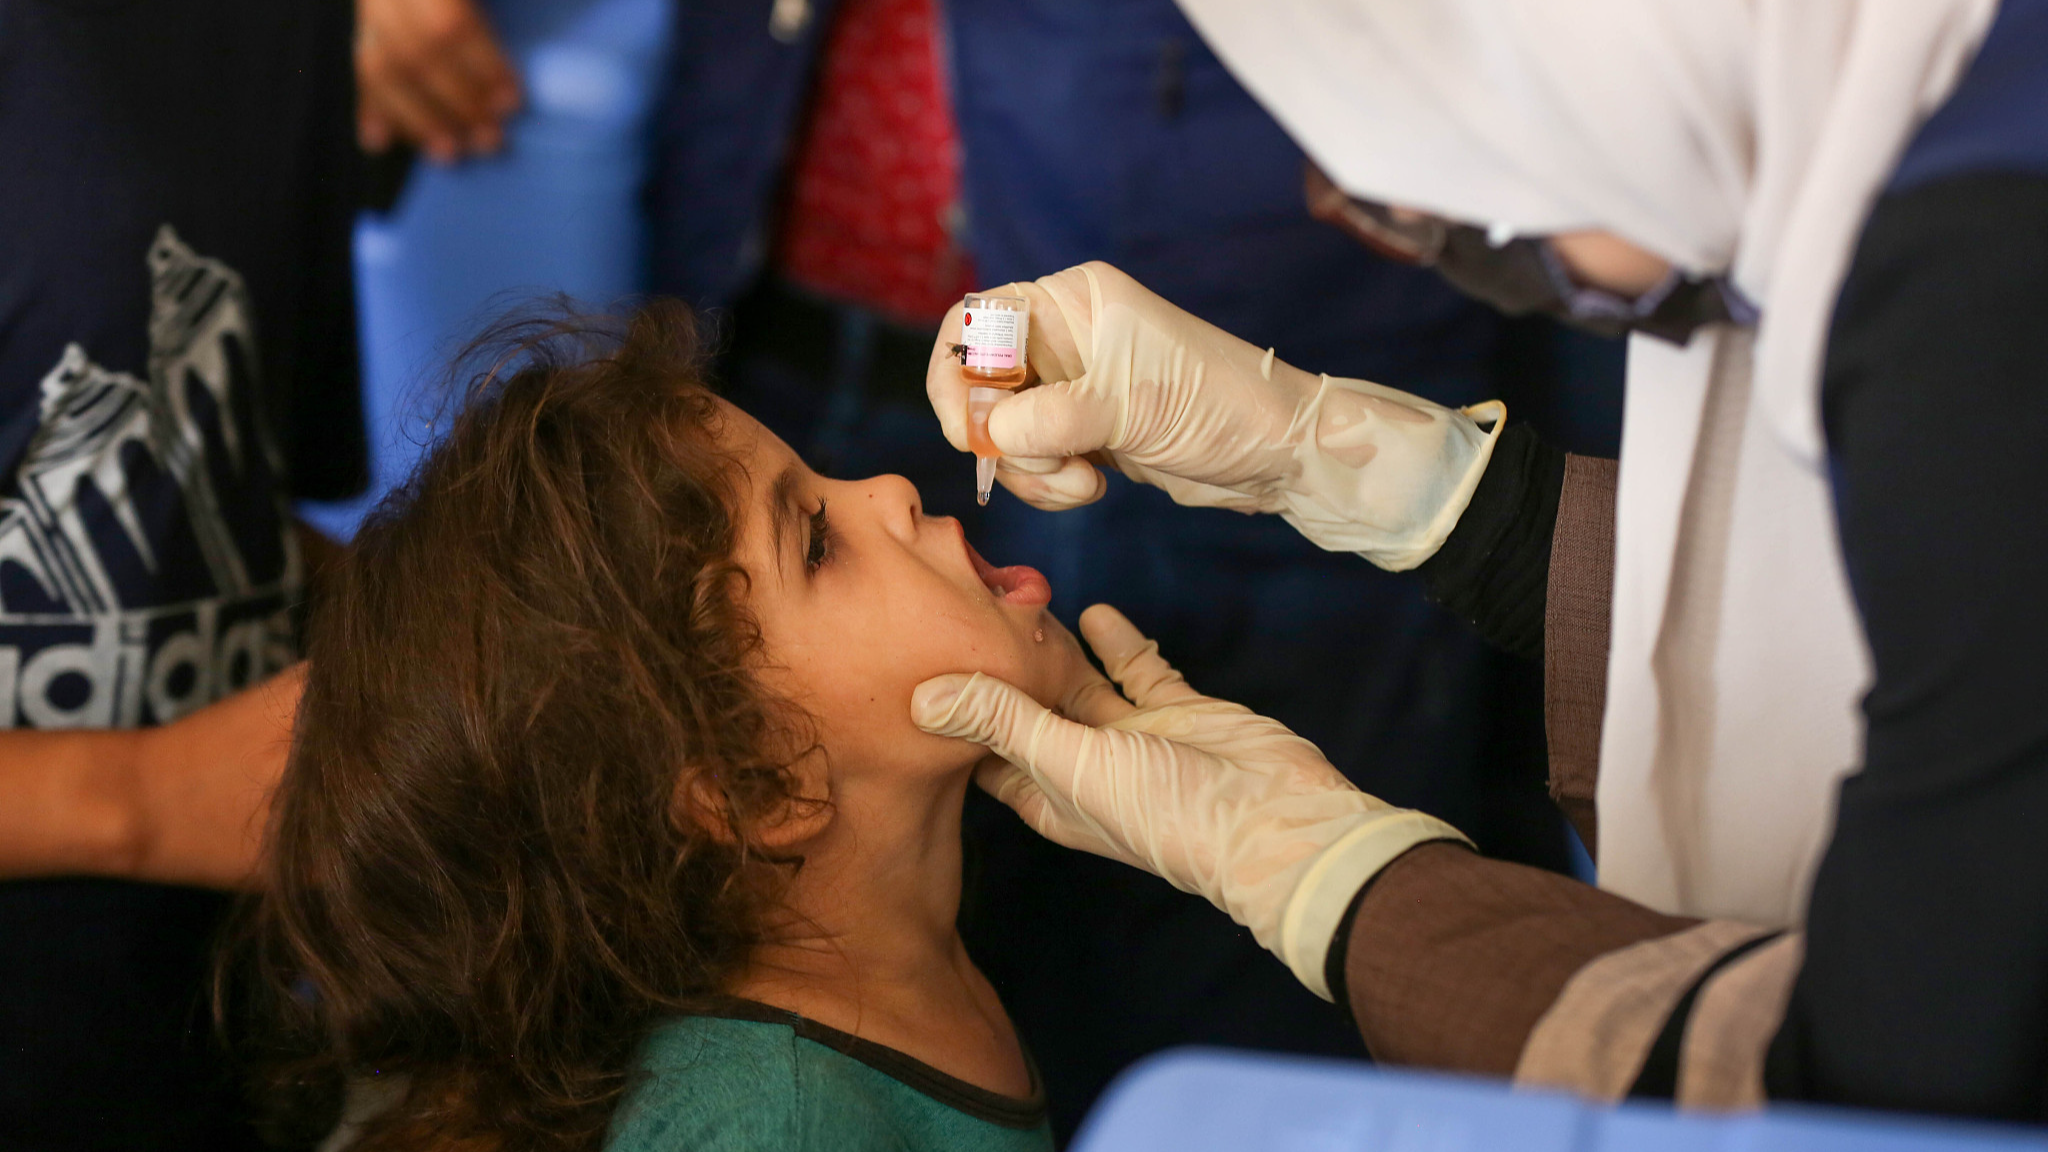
1746 137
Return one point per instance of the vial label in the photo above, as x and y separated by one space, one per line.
994 337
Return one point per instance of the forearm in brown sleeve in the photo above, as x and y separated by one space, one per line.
1452 958
1456 962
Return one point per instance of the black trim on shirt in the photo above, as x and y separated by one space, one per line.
905 1069
1493 571
1336 974
1658 1078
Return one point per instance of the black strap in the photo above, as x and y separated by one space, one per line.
1658 1079
779 322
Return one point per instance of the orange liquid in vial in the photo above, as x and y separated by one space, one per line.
992 362
1005 378
978 441
983 395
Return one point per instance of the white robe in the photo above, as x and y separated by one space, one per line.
1738 137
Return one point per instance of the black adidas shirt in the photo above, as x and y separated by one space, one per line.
177 361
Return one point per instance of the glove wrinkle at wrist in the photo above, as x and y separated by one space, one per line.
1382 473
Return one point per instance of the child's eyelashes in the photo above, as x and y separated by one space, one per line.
820 548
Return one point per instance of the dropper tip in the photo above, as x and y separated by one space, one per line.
984 478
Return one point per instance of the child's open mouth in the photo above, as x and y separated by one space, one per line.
1016 584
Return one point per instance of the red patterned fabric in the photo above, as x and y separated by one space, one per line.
877 172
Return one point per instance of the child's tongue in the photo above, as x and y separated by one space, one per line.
1016 584
1021 584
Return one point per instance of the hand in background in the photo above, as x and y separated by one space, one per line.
430 73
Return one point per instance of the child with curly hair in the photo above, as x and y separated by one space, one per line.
606 824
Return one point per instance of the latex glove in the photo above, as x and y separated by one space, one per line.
1180 404
1210 796
430 72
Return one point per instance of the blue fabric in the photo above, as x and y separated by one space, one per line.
557 211
1997 118
730 107
1210 1101
1110 131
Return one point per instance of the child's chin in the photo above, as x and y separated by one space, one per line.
1056 666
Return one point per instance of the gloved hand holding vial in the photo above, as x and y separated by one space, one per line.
1173 401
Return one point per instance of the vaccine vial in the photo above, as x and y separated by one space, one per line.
993 333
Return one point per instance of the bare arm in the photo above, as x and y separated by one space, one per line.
180 804
66 802
183 803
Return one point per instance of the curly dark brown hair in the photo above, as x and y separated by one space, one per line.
483 873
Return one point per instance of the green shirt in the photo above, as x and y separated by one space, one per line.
755 1077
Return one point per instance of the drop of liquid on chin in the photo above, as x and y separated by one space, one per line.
1038 634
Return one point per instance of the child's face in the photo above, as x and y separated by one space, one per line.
860 597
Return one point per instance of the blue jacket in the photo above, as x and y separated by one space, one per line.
1091 129
1996 120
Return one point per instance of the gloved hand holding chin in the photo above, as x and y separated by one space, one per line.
1210 796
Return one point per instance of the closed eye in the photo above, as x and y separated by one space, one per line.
819 549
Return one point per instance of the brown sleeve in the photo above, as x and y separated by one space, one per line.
1452 957
1577 606
1457 962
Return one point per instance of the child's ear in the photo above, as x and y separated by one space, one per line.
806 813
801 819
